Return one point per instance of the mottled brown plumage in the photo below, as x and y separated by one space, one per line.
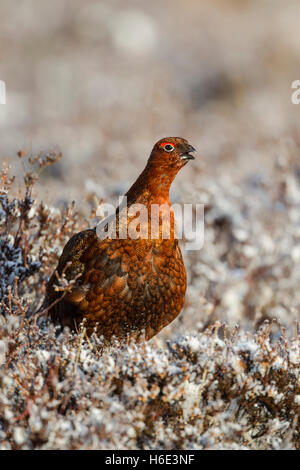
128 287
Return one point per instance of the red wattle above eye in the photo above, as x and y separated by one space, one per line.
163 144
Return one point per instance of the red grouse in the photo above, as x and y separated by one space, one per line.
133 284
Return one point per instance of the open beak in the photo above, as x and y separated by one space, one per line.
186 154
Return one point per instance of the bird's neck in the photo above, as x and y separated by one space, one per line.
152 186
149 198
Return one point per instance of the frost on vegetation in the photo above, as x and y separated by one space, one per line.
178 397
210 386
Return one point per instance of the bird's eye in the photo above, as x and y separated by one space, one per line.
169 147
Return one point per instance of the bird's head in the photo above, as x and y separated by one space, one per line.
168 156
171 153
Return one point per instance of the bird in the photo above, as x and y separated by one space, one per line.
130 286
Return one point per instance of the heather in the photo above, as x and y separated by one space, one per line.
203 383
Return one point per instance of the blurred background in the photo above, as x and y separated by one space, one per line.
102 81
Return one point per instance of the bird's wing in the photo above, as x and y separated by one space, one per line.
70 263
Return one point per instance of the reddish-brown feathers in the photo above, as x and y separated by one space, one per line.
127 287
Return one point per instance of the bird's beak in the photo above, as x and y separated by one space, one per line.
186 154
